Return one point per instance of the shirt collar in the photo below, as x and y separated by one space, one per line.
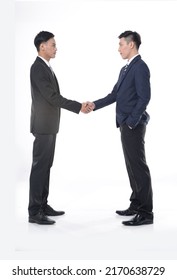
48 64
130 60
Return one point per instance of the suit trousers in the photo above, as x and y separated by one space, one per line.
137 168
43 155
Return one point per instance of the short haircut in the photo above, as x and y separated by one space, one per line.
131 36
42 37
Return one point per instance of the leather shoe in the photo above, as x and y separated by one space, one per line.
41 219
127 212
139 220
49 211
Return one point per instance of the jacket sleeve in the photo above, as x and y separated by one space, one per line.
41 80
143 90
107 100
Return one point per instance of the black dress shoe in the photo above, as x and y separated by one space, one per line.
139 220
49 211
40 219
128 212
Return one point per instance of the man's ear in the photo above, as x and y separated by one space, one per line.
132 44
42 47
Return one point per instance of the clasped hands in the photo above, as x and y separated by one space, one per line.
87 107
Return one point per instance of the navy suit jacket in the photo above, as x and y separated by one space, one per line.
131 93
47 100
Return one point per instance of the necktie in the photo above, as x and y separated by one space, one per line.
51 70
125 68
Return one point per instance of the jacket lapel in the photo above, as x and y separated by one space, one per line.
123 75
53 77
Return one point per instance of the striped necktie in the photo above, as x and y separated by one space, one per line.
125 68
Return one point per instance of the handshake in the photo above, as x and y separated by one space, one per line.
87 107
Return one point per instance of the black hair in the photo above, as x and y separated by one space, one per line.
131 36
41 37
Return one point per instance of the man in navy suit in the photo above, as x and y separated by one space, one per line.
132 94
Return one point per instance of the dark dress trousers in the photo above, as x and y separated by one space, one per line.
45 118
132 94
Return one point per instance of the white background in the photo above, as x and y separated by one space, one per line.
88 179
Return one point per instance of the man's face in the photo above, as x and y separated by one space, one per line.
48 49
125 48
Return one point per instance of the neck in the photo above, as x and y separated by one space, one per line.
133 54
43 56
